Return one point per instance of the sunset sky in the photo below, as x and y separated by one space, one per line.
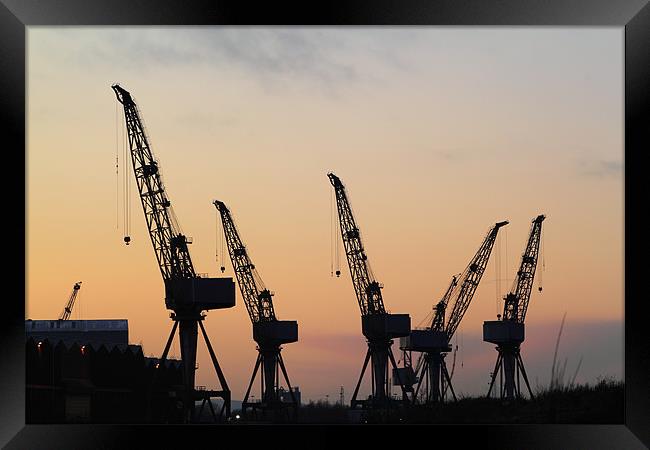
437 134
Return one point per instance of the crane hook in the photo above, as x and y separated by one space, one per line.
127 239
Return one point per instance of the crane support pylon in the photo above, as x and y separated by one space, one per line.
434 341
508 333
268 332
378 326
186 293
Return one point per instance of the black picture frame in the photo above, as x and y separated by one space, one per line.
632 15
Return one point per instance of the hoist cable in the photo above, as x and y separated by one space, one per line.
124 178
331 234
217 238
497 264
117 170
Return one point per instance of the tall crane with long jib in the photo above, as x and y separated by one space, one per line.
433 341
186 293
65 315
269 332
508 333
378 326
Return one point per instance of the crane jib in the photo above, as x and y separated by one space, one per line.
470 280
170 246
517 300
367 290
183 288
257 298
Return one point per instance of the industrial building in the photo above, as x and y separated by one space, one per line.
84 371
94 332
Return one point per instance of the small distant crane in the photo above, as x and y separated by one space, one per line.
269 332
65 315
508 333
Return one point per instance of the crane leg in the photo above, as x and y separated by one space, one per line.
222 379
517 371
162 360
269 369
523 372
494 374
188 334
448 378
250 385
399 378
423 373
356 389
435 380
286 378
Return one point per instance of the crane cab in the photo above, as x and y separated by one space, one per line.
275 332
425 340
503 332
385 326
200 293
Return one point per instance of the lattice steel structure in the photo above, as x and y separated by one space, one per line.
434 341
378 326
186 294
268 332
508 333
67 310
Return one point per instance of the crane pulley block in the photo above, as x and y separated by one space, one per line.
200 293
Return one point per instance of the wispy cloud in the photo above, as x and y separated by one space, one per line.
341 344
267 55
451 155
601 168
200 120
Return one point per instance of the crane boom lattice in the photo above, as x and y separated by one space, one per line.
169 244
367 289
471 278
516 302
257 298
